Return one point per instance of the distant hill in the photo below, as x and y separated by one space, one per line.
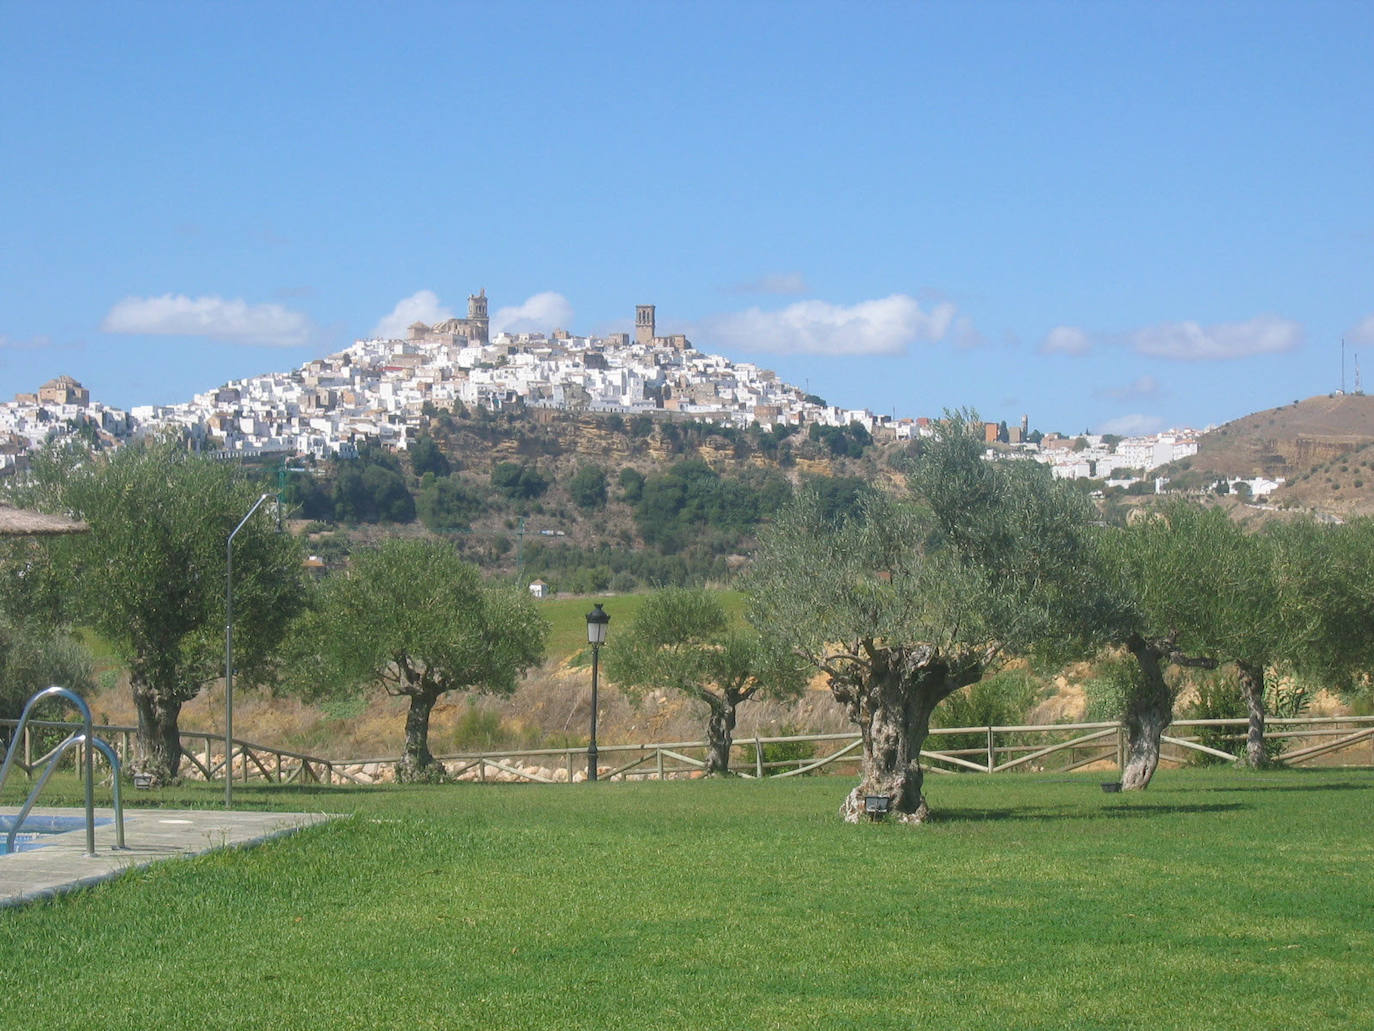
1322 447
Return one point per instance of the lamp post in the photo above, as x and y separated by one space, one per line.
597 619
229 655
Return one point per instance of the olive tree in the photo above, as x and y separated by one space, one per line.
1180 579
1195 588
1255 623
904 600
1325 581
34 656
412 618
681 639
150 575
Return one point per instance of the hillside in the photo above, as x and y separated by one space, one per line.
586 503
1322 447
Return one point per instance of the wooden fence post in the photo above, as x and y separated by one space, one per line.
758 757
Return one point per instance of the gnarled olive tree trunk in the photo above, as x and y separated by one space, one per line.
891 699
158 745
1251 677
1150 707
417 762
720 735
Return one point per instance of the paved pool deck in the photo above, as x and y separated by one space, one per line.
150 836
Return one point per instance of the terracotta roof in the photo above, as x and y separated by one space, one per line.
22 522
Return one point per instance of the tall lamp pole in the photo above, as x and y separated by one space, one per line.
229 655
597 620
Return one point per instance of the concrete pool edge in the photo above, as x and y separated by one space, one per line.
151 835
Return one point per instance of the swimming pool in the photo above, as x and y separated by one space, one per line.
37 828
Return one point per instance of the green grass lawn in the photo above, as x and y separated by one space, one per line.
1216 899
568 618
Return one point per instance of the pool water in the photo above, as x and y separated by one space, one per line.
22 843
37 828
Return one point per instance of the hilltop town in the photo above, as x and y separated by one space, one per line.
382 390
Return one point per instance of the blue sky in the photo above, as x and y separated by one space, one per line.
1114 216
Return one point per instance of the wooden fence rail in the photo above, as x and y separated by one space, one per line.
1056 747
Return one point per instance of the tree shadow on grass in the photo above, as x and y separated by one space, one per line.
1039 814
1261 785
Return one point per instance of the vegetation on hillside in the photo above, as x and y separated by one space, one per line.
583 503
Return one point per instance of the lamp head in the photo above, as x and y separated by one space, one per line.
597 619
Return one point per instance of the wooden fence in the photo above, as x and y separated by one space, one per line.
202 753
1060 747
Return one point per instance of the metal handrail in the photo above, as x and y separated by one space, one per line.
90 740
75 739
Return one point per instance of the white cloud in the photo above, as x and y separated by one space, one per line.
1066 340
271 325
1132 425
1363 333
1187 341
38 343
888 325
966 334
421 306
790 283
1144 386
542 313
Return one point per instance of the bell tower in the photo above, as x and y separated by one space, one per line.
644 324
477 314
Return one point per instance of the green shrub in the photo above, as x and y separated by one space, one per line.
1218 698
1106 693
480 730
1284 699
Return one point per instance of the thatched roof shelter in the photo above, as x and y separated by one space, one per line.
23 522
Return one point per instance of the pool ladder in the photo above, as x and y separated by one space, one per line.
88 768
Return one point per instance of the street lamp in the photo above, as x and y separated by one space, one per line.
597 619
229 655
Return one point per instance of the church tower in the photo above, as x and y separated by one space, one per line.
644 323
477 314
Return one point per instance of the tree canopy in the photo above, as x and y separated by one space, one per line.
588 487
518 481
1325 582
34 656
150 575
425 457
